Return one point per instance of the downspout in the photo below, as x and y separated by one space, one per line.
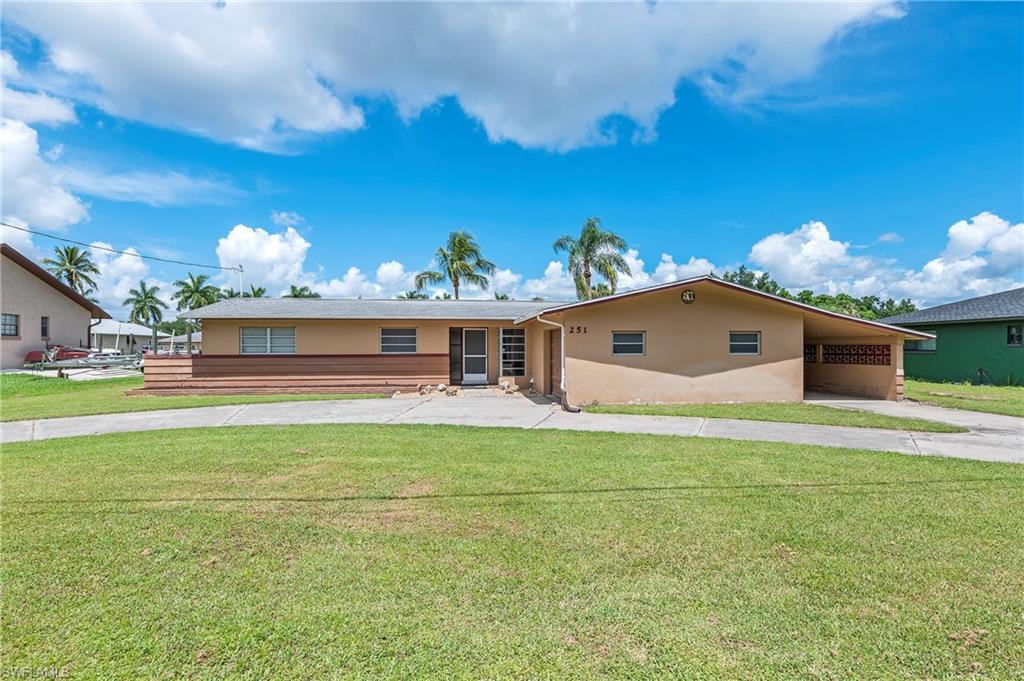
561 382
88 332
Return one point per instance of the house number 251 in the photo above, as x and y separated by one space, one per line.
577 329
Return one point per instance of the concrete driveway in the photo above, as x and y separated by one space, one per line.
992 437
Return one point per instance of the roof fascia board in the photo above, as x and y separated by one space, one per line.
735 287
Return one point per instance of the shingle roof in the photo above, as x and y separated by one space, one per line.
330 308
1005 305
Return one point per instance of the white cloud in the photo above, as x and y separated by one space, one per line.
808 257
541 75
268 259
54 153
37 107
556 284
155 188
890 238
32 190
277 260
667 269
392 275
982 255
119 273
30 107
353 285
285 218
505 281
21 241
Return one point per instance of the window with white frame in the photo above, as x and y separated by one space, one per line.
629 342
513 352
9 325
398 341
262 340
920 344
744 342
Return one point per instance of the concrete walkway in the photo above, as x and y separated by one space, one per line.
992 437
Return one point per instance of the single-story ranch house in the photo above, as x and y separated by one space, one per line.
976 340
38 310
697 340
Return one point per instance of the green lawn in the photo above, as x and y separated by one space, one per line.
427 551
24 396
790 412
1006 399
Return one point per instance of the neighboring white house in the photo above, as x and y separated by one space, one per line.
178 344
39 311
109 335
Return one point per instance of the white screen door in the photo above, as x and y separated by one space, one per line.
474 356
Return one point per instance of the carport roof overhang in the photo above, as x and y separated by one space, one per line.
817 322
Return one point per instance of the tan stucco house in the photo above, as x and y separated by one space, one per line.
39 311
697 340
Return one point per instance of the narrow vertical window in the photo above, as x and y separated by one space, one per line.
513 352
1013 334
44 327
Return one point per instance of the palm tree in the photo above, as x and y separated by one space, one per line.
255 292
601 290
145 307
501 296
230 293
460 260
73 265
412 295
193 292
595 250
301 292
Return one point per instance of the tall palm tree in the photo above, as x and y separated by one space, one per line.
460 261
145 307
301 292
73 265
594 250
412 295
230 293
255 292
195 291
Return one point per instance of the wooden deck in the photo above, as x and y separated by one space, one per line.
266 374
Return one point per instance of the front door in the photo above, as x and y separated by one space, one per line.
474 356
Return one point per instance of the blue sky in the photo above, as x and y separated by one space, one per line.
871 149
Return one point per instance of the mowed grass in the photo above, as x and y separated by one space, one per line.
789 412
1005 399
440 552
24 396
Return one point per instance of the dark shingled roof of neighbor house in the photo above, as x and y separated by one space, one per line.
1005 305
392 308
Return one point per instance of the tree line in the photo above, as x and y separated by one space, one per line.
594 252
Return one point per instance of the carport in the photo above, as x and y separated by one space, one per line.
849 356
